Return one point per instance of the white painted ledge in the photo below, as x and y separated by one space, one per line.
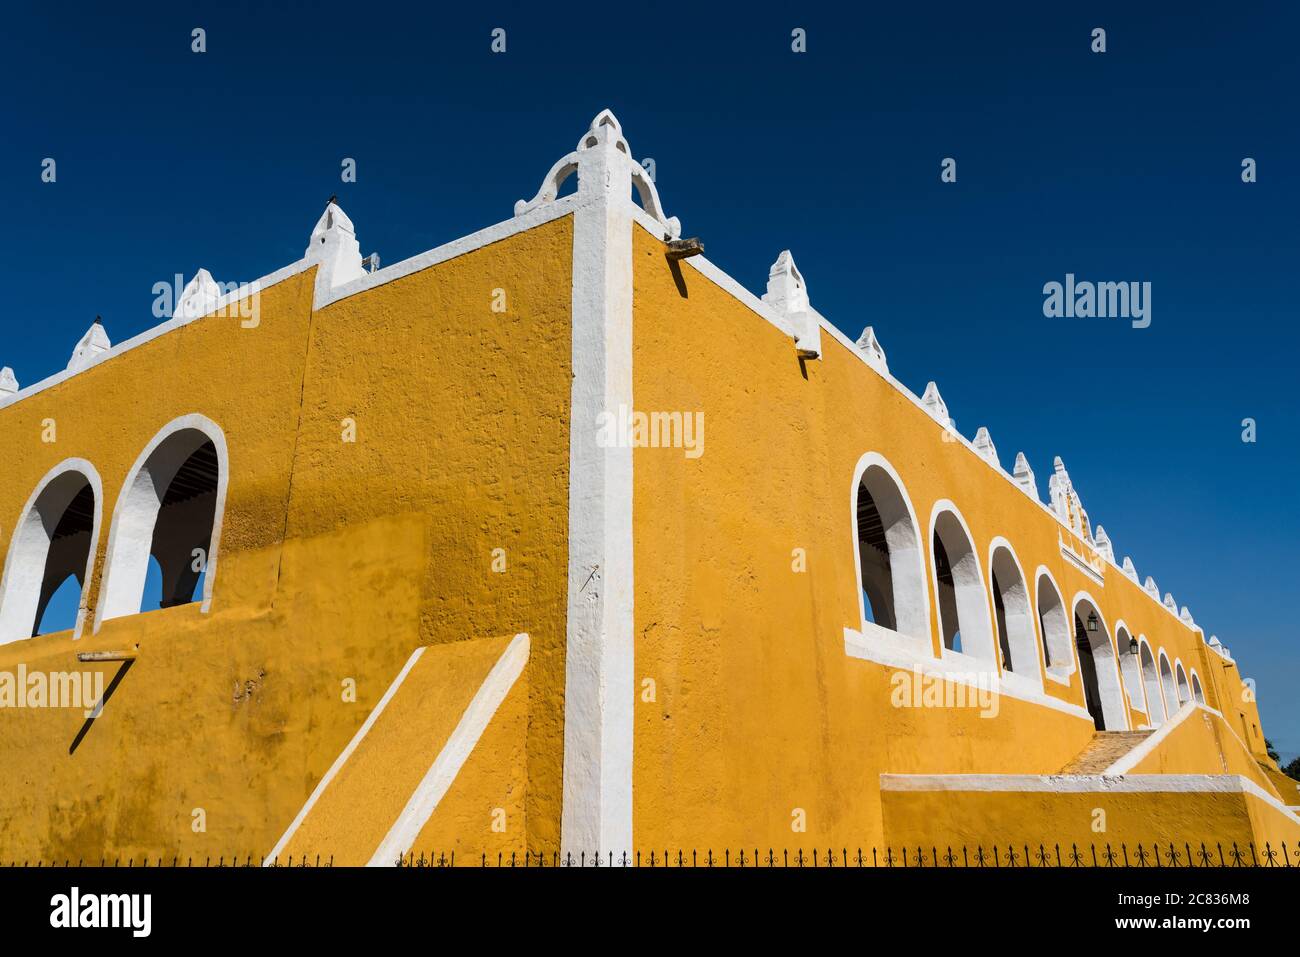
1060 675
877 643
1083 784
905 653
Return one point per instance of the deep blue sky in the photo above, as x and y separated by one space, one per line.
1122 166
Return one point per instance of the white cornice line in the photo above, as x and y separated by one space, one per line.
175 322
432 257
458 247
726 282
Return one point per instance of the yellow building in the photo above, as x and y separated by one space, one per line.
556 538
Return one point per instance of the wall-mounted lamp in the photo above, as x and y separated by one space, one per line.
1132 645
1092 621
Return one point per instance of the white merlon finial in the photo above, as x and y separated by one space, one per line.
1065 500
786 291
1151 589
91 346
1214 641
1058 489
8 382
871 348
333 246
199 297
1024 475
1130 569
984 446
604 164
1186 616
787 294
934 404
1170 603
1102 541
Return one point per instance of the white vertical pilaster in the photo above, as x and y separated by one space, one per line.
599 679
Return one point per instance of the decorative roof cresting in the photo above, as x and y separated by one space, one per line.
601 145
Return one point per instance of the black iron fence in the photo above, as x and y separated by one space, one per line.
1106 855
1123 854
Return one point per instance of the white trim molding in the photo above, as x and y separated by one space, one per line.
903 536
1057 671
126 561
1111 691
1022 634
599 689
971 597
29 547
344 756
1081 784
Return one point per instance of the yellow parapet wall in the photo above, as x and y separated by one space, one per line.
1182 810
764 716
446 517
1197 741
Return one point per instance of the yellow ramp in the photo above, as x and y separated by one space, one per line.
383 788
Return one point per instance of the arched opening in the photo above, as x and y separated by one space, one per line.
1054 627
962 601
1098 668
1170 697
1015 619
1184 689
169 512
62 608
888 552
1151 683
1198 695
1129 669
53 542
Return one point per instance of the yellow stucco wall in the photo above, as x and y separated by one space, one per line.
980 818
483 815
759 713
336 559
1202 743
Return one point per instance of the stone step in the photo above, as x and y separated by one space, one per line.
1105 748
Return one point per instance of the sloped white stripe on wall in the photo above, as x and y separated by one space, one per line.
424 800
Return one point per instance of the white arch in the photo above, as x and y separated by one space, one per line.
1022 636
136 511
906 561
1105 663
1198 689
1057 635
1168 695
1156 715
974 612
1129 668
20 586
1181 687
